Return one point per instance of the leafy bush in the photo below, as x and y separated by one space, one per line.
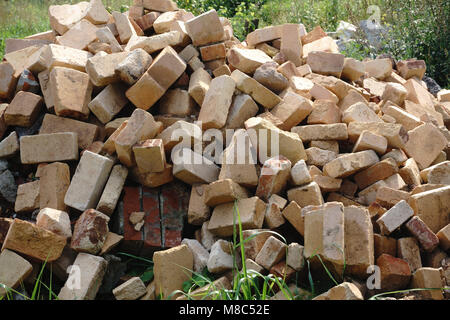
416 28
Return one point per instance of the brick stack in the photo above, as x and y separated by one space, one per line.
348 157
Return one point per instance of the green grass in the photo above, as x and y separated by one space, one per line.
36 294
21 18
247 284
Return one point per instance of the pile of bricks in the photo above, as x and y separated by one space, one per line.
103 124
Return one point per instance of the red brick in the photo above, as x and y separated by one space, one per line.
395 272
172 238
152 226
131 203
427 239
173 212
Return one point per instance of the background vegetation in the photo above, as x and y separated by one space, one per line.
417 28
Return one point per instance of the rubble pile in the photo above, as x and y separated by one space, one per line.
346 159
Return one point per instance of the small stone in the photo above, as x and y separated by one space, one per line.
112 241
136 217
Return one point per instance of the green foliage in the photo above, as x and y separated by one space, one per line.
416 28
139 267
